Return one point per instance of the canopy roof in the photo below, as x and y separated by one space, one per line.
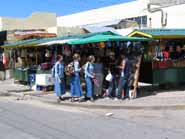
159 33
104 38
75 39
18 43
50 41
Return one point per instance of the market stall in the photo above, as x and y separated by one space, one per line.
164 58
39 54
31 57
108 49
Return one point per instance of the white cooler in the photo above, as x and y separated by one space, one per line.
44 79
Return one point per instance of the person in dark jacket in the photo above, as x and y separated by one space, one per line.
124 76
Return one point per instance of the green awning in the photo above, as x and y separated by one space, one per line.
80 36
159 33
104 38
35 42
18 43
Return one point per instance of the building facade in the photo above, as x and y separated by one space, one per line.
146 13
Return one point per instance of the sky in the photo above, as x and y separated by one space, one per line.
24 8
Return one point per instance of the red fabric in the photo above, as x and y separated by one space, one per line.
166 54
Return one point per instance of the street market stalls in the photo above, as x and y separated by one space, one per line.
14 38
164 58
109 48
37 56
103 45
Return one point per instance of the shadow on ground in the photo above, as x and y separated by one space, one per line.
150 90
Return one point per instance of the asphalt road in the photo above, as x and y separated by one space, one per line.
34 120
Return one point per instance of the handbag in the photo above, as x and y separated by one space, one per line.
109 77
69 70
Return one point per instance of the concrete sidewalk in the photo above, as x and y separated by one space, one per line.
157 100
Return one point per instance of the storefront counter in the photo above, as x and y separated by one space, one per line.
23 74
162 72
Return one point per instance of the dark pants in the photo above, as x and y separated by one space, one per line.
122 85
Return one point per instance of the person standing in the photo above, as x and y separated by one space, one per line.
89 76
124 76
76 90
58 73
99 76
112 70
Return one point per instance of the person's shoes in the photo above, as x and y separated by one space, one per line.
81 100
61 98
108 98
126 98
58 100
92 99
72 100
116 99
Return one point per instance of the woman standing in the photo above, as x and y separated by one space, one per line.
99 76
76 90
89 76
124 76
112 70
58 73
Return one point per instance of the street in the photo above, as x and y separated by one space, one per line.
30 119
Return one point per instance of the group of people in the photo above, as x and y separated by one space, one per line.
93 72
171 53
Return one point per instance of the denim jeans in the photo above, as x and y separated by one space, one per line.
90 87
122 86
112 88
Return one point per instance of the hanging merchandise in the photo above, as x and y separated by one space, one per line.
45 66
48 53
67 50
5 59
109 44
118 44
23 53
101 45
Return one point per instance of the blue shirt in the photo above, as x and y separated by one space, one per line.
59 70
89 70
77 68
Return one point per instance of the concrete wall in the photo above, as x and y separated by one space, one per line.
35 21
64 31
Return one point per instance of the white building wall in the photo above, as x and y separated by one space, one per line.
176 15
121 11
175 18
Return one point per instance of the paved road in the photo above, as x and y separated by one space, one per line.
30 119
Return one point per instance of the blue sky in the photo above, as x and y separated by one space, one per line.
23 8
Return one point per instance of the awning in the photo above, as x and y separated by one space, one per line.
104 38
75 39
56 42
159 33
19 44
66 39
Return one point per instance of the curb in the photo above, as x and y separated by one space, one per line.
99 106
118 107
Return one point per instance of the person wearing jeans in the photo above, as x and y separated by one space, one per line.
58 73
89 76
124 75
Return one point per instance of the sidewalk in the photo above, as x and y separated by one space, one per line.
160 99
